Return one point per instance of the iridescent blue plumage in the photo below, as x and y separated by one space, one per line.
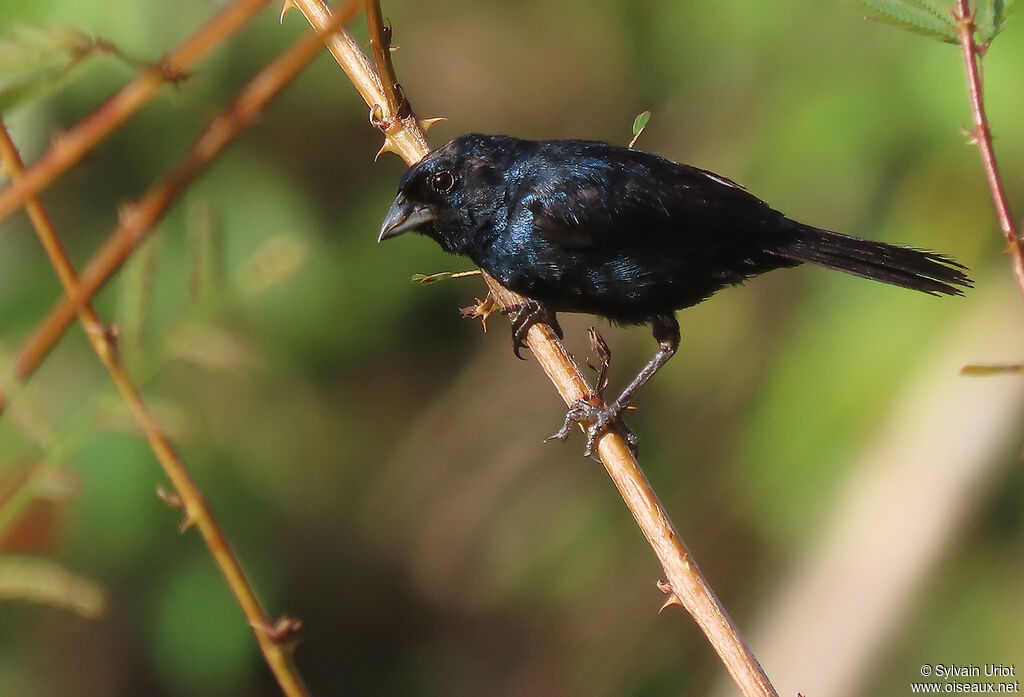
582 226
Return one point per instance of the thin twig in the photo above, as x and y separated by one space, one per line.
686 585
403 135
70 147
195 507
380 44
982 137
137 220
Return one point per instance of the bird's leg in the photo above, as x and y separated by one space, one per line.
598 419
526 314
600 348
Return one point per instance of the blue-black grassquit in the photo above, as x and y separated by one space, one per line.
580 226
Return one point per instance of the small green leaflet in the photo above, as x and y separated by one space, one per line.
639 124
425 279
935 17
36 60
918 16
991 19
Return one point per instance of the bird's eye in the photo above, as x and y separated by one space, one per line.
442 182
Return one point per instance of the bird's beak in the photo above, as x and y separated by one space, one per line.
403 217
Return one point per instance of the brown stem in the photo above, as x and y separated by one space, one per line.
982 137
69 148
686 585
194 504
380 44
404 135
138 219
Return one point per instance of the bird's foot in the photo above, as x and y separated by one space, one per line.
523 316
596 419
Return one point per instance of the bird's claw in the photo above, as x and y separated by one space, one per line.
523 316
596 421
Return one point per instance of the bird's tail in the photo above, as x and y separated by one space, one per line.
928 272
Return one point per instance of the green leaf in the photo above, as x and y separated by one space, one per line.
640 122
198 639
941 9
30 579
919 16
991 19
423 279
35 60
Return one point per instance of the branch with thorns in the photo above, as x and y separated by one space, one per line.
981 135
69 148
138 219
405 135
275 638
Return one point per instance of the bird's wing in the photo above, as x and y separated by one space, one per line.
610 198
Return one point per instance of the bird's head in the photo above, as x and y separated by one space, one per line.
453 195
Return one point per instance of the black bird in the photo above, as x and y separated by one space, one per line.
582 226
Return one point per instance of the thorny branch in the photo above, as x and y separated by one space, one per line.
193 503
272 637
69 148
982 136
380 44
137 220
686 585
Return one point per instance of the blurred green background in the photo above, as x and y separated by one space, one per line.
377 462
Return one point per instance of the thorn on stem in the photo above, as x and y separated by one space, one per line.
174 500
187 522
171 498
976 134
108 334
388 146
672 599
288 4
283 630
425 124
172 74
112 334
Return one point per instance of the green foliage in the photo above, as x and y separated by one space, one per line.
639 124
118 479
991 18
422 279
201 643
38 60
935 18
381 457
928 17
